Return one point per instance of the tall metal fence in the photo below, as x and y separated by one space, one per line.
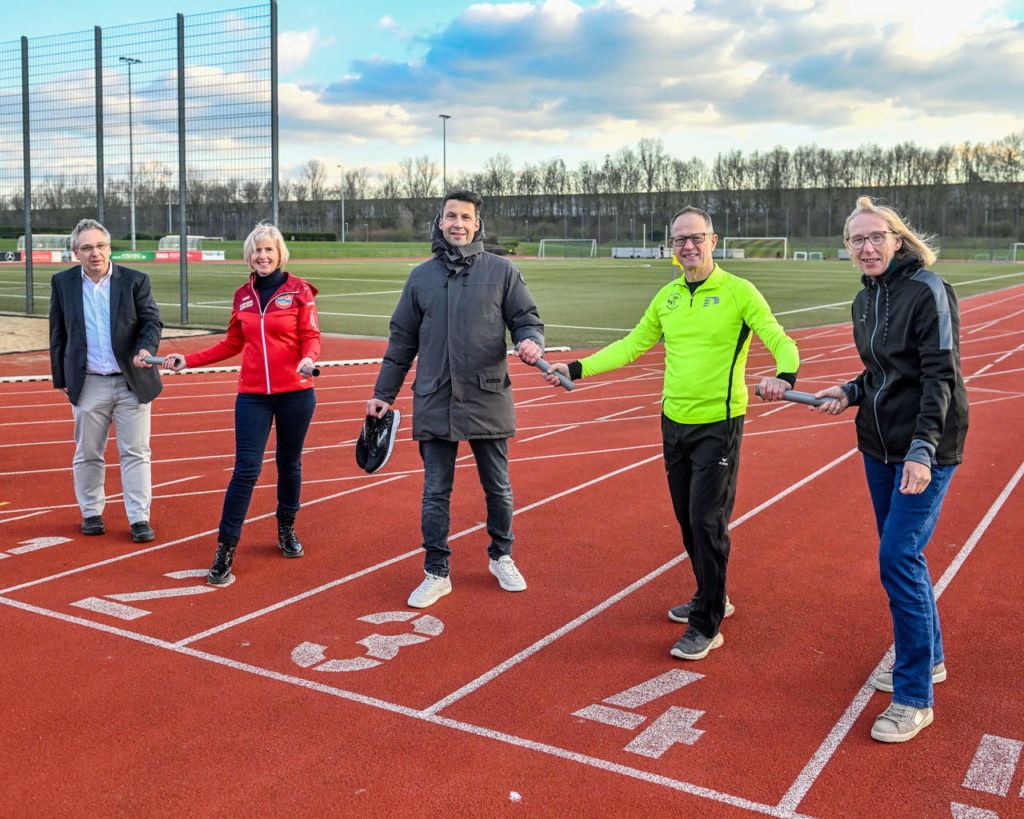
167 127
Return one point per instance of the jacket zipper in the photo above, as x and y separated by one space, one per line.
885 377
263 336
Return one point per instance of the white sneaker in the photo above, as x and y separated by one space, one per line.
432 589
509 578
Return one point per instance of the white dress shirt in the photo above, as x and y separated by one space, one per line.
96 306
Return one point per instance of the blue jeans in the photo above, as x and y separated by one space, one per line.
491 455
905 525
290 413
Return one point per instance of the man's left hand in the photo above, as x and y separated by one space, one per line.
772 389
529 351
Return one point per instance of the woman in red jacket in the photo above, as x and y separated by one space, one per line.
274 325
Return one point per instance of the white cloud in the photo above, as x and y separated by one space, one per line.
517 77
295 47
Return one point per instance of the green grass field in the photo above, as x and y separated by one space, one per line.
583 302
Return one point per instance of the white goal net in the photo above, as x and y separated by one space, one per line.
755 247
567 248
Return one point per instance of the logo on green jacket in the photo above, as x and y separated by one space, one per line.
710 300
673 301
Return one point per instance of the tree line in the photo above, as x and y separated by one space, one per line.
968 189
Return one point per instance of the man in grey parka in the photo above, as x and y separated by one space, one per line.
453 314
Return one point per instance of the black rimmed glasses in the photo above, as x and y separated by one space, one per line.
877 238
696 238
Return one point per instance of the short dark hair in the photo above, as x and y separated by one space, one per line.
465 196
698 212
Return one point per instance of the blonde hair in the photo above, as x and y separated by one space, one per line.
265 230
914 244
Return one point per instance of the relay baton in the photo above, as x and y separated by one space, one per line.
310 371
799 397
154 359
544 367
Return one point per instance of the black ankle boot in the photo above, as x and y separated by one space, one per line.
286 540
220 573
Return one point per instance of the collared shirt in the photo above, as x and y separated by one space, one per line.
96 306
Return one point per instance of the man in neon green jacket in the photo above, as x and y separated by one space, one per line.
706 319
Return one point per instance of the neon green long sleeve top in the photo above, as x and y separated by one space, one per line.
707 337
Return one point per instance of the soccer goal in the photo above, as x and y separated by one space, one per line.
755 247
1017 251
567 248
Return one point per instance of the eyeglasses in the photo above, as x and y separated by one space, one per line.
877 239
87 249
696 238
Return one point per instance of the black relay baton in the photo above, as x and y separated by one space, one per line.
798 397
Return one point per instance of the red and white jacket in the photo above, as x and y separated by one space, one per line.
273 341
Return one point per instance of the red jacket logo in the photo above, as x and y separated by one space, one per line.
284 301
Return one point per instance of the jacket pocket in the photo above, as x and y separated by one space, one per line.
425 386
494 380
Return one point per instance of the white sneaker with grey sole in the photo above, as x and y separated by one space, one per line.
432 589
509 578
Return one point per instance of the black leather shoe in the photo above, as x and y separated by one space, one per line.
220 572
142 532
93 525
287 542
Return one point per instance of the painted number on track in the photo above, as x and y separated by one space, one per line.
379 647
674 726
116 605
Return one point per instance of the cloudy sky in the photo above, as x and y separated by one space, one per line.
363 83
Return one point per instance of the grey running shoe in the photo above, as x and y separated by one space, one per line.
695 646
898 723
681 614
883 682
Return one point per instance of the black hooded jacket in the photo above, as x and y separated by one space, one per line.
911 394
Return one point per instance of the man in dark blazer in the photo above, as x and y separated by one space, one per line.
103 323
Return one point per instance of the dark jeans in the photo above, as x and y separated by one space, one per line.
491 455
905 525
702 462
290 412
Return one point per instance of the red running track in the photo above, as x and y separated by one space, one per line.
308 685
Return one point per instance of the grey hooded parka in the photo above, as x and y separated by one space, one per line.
453 313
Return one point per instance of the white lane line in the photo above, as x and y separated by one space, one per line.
464 727
812 770
418 551
177 542
501 668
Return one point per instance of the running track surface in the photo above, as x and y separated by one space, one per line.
309 687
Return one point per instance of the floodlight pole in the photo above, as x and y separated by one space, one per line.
342 169
131 147
444 153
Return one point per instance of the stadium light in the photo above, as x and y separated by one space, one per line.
444 152
130 61
342 169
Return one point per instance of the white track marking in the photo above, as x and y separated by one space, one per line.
468 728
651 690
383 564
817 763
994 765
171 543
501 668
611 716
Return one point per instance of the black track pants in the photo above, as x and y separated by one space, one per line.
702 463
